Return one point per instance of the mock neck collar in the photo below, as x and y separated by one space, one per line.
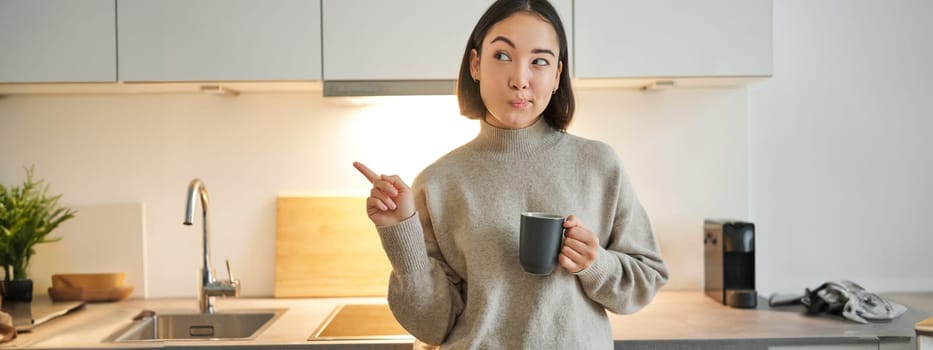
517 143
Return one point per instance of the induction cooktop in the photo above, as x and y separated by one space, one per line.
361 322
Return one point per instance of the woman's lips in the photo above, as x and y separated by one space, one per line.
520 103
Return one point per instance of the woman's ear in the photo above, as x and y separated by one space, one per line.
474 64
560 69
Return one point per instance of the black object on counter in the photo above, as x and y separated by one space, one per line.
729 257
17 290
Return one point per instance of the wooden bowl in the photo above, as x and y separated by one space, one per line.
89 294
89 280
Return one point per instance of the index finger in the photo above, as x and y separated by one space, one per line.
571 221
582 234
369 174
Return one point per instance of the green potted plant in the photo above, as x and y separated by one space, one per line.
27 215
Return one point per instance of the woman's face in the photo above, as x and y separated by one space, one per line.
518 70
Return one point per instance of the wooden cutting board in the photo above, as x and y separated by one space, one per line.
327 247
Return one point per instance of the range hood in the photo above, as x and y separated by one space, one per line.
356 88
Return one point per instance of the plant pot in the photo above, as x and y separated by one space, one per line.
17 290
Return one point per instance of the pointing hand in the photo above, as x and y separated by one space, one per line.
390 200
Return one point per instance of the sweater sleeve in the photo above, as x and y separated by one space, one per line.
424 293
628 270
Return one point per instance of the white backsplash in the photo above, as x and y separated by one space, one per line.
685 150
100 238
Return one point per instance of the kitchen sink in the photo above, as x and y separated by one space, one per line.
231 325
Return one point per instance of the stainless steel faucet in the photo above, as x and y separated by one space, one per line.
208 287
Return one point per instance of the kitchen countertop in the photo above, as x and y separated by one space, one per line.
677 317
674 319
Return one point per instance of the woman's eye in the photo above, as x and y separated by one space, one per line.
502 56
540 62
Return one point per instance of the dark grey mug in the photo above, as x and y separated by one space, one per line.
540 240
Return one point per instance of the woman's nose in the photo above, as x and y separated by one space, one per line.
519 79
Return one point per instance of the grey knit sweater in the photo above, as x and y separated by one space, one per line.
456 278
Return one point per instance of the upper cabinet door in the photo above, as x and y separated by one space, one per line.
227 40
402 39
57 41
673 38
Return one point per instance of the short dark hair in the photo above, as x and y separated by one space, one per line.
559 111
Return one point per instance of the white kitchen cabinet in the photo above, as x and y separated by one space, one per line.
402 39
673 38
57 41
924 341
219 40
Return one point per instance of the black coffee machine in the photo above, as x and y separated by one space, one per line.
729 256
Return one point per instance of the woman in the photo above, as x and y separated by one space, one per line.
452 238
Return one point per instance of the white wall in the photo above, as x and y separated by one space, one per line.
686 153
840 146
685 150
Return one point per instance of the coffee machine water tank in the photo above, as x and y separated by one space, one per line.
729 257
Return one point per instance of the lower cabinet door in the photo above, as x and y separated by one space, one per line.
925 342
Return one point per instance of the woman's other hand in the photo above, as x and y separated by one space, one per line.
580 246
390 200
